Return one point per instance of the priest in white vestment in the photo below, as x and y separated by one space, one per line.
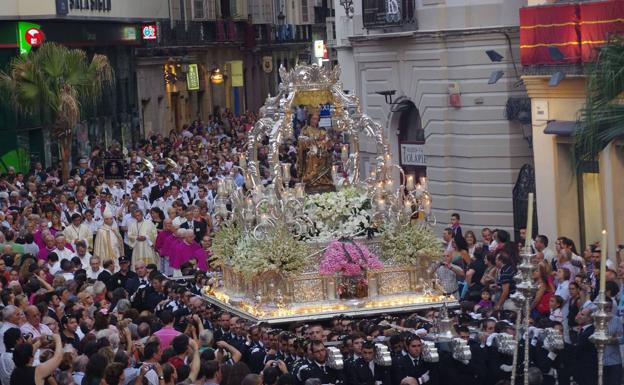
108 241
77 231
141 238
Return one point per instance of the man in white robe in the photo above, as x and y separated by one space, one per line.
108 241
77 231
60 250
141 238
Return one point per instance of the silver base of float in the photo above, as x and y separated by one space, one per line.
363 307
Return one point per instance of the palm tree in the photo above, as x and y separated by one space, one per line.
53 84
602 118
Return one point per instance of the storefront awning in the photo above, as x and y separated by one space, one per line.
560 128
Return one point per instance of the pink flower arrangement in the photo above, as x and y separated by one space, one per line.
348 257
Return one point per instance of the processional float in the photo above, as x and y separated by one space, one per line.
321 239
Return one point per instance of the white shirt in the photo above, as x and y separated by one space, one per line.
5 326
55 268
44 330
64 254
179 221
548 254
127 221
94 274
84 260
6 367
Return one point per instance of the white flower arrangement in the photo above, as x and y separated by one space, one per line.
224 243
279 252
345 213
414 245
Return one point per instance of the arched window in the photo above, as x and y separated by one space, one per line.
410 125
411 140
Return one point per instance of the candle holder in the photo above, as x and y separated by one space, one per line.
525 291
601 338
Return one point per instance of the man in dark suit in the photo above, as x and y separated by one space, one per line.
199 227
364 370
318 367
585 351
158 190
471 372
223 332
413 365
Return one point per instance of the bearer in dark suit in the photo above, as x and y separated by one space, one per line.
413 365
364 370
585 352
318 368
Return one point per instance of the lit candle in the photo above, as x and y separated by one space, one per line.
603 261
410 183
221 187
249 203
242 161
286 172
529 226
381 204
423 182
344 155
427 204
389 186
229 184
299 191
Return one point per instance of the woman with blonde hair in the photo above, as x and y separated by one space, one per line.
540 307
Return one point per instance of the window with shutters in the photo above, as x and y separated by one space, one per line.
305 14
211 10
238 9
199 12
261 11
234 8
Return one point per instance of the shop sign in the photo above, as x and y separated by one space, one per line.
91 5
29 35
149 31
319 48
413 155
192 78
236 73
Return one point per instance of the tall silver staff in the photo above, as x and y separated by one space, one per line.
525 290
600 338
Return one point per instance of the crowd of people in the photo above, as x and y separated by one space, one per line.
567 286
100 285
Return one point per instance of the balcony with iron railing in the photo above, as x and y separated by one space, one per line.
388 13
204 33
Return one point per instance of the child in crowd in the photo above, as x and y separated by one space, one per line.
556 313
486 300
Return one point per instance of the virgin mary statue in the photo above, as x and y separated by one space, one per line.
314 159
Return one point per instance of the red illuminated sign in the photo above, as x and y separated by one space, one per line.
150 31
34 37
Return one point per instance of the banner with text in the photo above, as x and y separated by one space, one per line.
413 155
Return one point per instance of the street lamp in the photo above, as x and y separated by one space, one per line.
216 76
348 7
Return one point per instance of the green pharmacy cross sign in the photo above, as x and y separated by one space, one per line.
29 35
